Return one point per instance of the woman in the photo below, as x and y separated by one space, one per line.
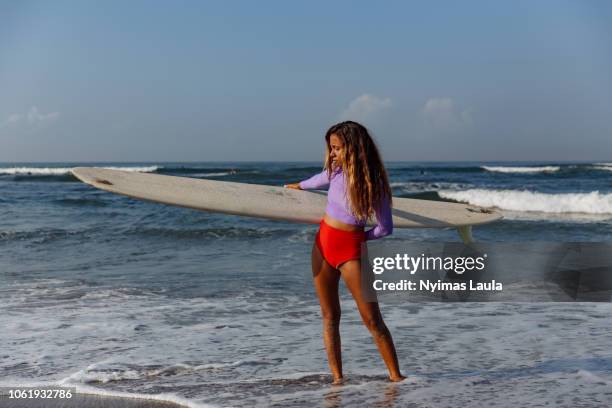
358 190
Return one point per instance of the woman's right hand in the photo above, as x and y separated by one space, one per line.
295 186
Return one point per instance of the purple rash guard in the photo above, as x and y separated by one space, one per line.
338 204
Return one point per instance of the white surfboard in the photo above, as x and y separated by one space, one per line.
272 202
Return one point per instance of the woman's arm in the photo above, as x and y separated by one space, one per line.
318 181
384 218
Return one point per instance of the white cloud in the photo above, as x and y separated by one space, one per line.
443 114
35 116
365 107
32 116
15 117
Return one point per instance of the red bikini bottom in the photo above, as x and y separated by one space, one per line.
338 246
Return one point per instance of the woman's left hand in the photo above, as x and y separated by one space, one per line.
295 186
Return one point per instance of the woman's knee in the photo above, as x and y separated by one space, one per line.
331 319
374 323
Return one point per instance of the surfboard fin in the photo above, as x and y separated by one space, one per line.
465 232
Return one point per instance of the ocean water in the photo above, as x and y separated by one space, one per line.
115 295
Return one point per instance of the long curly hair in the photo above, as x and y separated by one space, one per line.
366 179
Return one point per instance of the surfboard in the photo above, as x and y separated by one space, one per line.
273 202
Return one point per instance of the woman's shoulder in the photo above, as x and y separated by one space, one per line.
336 174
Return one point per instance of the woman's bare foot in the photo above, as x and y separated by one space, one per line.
338 381
397 378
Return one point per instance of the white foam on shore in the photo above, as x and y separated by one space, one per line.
60 171
540 169
169 355
603 167
106 372
86 389
593 202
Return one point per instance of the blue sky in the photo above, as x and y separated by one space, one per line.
244 80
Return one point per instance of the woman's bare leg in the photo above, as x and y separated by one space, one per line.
326 281
372 318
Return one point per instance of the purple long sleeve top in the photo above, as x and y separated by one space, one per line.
338 203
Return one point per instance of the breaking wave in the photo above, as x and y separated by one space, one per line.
62 171
593 202
540 169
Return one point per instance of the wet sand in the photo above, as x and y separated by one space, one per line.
86 401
